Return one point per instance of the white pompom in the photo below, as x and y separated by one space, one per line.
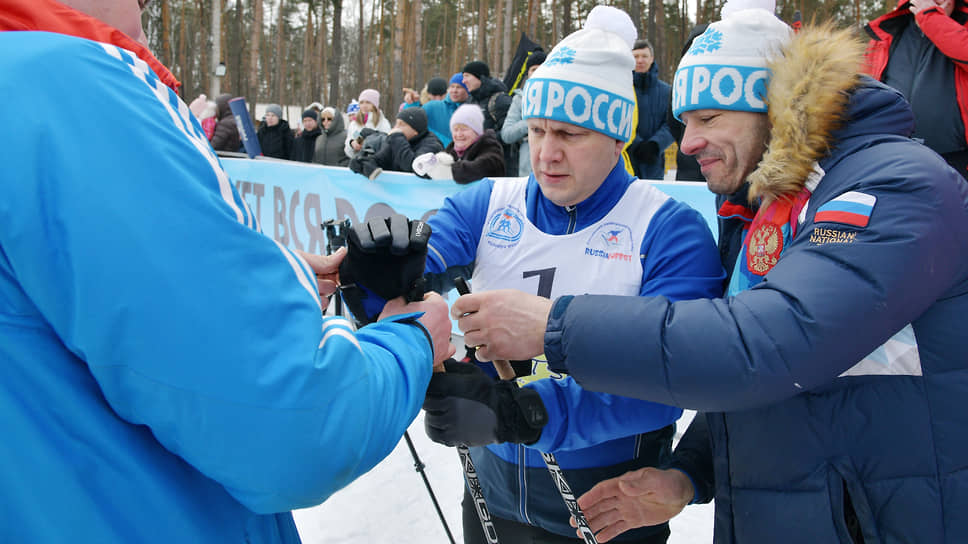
613 20
732 6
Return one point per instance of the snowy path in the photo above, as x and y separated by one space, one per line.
390 503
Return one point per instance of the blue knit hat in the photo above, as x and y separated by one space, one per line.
586 80
459 78
725 68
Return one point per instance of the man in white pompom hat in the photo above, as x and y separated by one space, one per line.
833 376
579 224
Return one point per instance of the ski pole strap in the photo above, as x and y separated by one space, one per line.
477 494
566 495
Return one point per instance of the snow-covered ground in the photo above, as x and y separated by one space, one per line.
390 504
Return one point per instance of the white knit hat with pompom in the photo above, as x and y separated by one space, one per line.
726 66
586 80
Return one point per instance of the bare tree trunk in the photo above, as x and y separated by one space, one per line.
396 74
417 7
661 51
534 6
497 37
361 50
319 87
454 43
255 42
506 34
183 52
306 75
635 12
240 85
566 23
482 30
216 83
167 55
555 22
278 62
337 53
408 79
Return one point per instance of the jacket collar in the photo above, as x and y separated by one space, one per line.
814 79
544 212
52 16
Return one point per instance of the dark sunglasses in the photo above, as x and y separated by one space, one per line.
326 119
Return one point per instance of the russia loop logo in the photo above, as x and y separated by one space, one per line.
611 241
506 225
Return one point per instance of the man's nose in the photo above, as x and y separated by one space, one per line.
692 141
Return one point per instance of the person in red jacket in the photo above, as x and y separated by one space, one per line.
928 62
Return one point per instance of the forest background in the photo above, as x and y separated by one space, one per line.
303 51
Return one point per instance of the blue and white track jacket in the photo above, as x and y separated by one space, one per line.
166 374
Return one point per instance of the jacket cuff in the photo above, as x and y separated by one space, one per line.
553 349
412 319
695 492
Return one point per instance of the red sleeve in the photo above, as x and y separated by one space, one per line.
950 37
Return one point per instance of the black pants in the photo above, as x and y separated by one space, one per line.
512 532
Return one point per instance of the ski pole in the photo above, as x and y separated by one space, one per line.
470 472
419 467
506 372
335 239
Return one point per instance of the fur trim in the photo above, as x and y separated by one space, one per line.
807 96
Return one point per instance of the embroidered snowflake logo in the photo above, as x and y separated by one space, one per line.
709 41
564 55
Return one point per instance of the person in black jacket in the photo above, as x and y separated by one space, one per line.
329 144
226 136
305 144
275 137
408 139
487 92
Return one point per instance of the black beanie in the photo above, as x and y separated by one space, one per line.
535 58
477 68
311 113
415 117
437 86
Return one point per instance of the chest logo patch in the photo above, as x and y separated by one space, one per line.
612 241
765 245
505 227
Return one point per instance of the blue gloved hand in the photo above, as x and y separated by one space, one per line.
385 259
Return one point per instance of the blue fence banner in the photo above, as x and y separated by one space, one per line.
291 199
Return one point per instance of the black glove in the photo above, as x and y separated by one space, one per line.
465 406
384 259
647 152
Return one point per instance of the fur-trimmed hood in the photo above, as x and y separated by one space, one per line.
808 94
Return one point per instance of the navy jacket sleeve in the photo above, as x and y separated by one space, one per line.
820 310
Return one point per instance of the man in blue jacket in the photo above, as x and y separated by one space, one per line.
652 134
167 374
580 223
834 375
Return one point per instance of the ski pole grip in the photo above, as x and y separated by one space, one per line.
504 369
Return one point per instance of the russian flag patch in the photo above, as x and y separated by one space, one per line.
850 208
